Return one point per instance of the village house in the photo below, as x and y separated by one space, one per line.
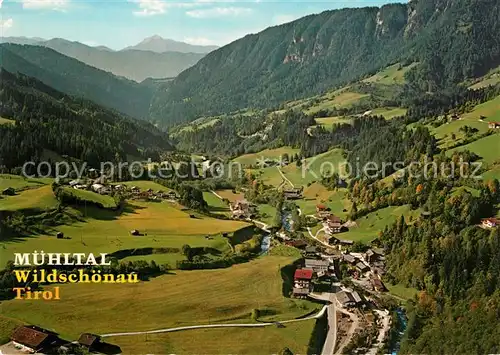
302 278
90 341
490 222
454 117
373 255
74 183
348 299
33 339
344 242
494 125
300 292
322 211
293 194
320 267
333 224
362 267
348 258
97 188
311 251
242 209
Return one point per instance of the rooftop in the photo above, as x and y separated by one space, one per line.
305 274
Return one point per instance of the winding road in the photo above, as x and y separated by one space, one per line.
208 326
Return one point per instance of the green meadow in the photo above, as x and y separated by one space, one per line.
161 224
391 75
31 200
370 225
179 299
487 148
272 154
105 200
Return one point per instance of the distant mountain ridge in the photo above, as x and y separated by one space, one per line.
451 39
76 78
160 45
131 63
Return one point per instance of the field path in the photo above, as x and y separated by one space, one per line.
208 326
284 177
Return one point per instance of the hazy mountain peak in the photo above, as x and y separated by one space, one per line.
157 43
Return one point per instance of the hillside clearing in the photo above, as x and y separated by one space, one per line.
269 340
183 298
273 154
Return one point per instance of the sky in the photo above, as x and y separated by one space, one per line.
120 23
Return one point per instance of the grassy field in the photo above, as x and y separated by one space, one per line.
39 199
252 159
492 78
105 200
183 298
230 196
317 193
389 112
370 225
267 213
6 121
108 231
489 109
488 148
145 185
7 326
328 122
393 74
215 204
322 163
19 182
249 341
401 291
493 173
343 99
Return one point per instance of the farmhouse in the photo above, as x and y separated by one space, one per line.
32 339
311 251
90 341
322 211
302 278
300 292
74 183
346 299
293 194
9 192
318 266
348 258
373 255
494 125
490 222
362 267
333 224
241 209
97 187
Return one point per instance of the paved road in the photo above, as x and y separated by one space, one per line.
208 326
331 337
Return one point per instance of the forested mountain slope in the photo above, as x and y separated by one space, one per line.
132 64
46 119
76 78
452 40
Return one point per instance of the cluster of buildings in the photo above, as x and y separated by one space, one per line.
372 260
242 209
312 269
32 339
332 223
100 187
